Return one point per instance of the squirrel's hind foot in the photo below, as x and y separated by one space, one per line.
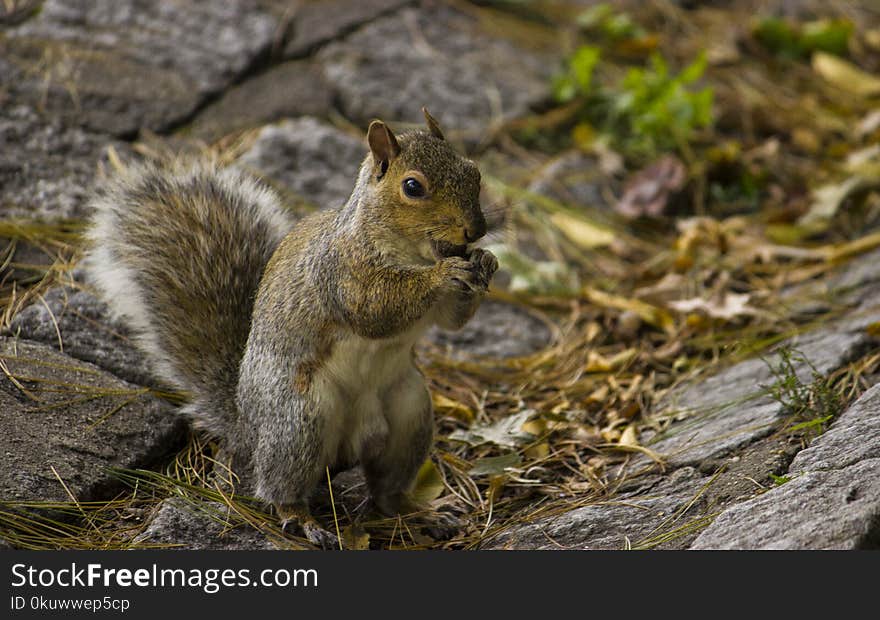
298 518
440 525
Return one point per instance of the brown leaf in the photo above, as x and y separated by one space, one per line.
647 193
355 538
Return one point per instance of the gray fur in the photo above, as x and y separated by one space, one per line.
178 253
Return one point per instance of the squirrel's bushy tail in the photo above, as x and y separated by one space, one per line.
178 253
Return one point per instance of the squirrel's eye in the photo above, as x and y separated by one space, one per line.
412 188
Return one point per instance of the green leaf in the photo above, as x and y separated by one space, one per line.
778 36
595 15
814 423
780 480
693 71
583 64
826 35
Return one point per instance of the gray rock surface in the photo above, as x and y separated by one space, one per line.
308 158
119 65
86 333
831 502
439 58
497 330
203 526
46 169
829 509
294 88
633 519
315 22
69 415
853 437
732 409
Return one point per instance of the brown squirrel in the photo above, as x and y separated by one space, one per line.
295 342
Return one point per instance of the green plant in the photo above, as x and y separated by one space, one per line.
650 110
657 110
815 403
602 19
797 41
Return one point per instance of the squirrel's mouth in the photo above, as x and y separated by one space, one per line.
444 249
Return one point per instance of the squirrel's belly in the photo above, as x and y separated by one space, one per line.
354 385
358 365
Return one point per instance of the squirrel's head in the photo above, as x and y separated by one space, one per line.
428 194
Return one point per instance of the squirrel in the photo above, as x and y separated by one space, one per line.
294 340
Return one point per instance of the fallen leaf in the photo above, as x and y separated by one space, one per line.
505 432
538 451
669 286
729 306
581 232
535 426
447 407
495 465
648 313
845 75
429 483
355 538
827 201
868 125
629 438
806 140
865 163
647 193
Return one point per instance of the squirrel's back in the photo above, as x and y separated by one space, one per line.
178 254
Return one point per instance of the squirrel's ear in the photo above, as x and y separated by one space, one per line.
383 145
433 126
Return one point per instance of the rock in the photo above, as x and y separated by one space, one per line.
120 65
497 330
27 263
294 88
732 409
834 509
832 500
86 333
850 284
311 159
853 437
69 415
46 169
439 58
318 21
199 526
640 517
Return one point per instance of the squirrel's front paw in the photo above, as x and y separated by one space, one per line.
458 274
471 274
484 264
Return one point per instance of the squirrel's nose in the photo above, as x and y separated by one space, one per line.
475 229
